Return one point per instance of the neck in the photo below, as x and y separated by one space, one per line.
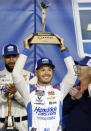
43 84
85 82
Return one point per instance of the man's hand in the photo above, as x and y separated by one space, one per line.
27 41
10 89
76 93
61 45
43 5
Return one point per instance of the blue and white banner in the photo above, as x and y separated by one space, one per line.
82 20
19 18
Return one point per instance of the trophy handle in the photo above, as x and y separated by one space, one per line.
44 7
9 120
43 19
9 104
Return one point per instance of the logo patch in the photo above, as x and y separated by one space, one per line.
10 48
2 89
47 129
50 98
50 92
33 129
45 61
50 111
40 92
54 102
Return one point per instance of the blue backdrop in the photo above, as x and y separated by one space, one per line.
19 18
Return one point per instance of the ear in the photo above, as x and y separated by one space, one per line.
3 58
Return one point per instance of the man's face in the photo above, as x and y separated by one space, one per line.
10 61
83 72
44 74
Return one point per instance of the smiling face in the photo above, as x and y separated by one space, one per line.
44 74
10 61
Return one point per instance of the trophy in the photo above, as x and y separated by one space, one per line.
44 37
9 120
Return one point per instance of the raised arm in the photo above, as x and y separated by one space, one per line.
21 85
70 78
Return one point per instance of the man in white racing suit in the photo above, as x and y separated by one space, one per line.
10 54
44 101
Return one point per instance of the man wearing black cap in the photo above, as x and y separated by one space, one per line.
77 105
44 101
10 53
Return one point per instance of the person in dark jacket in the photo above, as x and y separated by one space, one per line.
77 104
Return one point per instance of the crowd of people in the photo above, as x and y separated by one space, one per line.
36 104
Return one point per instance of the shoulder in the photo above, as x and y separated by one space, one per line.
28 73
56 87
3 71
32 87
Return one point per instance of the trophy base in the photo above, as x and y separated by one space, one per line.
9 124
44 38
